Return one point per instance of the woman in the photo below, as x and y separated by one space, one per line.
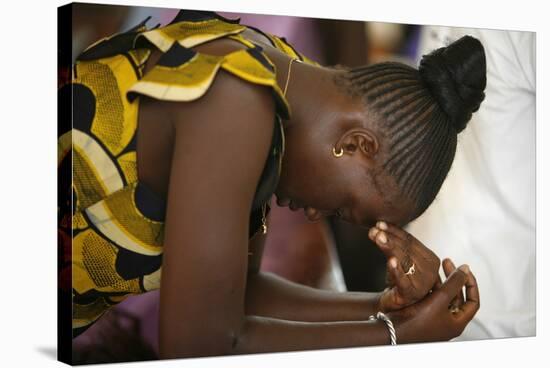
181 134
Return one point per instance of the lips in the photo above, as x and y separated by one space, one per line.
287 202
311 214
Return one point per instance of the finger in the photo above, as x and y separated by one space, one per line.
448 268
393 246
390 271
401 282
453 284
458 301
410 244
472 304
392 229
389 244
409 286
394 294
438 283
372 233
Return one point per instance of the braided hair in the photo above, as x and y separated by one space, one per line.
420 112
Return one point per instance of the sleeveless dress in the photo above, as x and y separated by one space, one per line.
117 222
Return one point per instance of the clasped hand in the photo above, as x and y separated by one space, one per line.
416 295
412 268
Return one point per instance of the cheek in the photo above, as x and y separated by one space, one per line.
309 176
329 187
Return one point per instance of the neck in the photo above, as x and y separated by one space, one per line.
307 88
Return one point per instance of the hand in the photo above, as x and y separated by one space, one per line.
403 252
444 313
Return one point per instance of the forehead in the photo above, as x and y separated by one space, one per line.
377 209
381 202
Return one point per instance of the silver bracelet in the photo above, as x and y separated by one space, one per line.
389 324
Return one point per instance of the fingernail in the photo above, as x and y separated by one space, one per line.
373 231
465 269
382 225
383 239
393 262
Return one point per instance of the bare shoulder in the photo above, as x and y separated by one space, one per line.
230 105
228 97
232 109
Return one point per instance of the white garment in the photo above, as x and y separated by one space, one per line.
485 213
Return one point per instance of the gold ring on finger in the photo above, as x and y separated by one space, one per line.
454 309
411 270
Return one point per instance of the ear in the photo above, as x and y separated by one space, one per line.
359 141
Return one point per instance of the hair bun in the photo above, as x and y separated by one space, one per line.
456 77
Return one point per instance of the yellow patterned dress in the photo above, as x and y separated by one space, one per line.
117 222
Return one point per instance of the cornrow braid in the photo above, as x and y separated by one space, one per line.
420 112
418 137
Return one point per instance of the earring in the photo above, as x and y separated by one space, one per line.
337 154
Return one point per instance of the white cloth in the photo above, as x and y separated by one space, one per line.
485 213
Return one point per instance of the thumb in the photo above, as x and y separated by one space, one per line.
454 283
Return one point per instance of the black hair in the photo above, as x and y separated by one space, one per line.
420 112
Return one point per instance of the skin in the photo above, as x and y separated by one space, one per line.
213 299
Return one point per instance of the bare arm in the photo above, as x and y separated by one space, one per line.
273 296
431 319
264 334
270 295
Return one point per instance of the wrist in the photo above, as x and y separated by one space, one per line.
371 304
401 326
378 303
389 325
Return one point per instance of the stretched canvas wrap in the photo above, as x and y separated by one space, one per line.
111 222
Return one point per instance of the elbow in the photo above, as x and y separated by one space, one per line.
202 343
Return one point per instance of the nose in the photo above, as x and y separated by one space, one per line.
283 202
